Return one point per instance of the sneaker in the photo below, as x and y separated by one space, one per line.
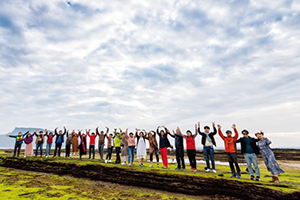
208 170
89 159
233 176
257 178
109 160
238 176
252 178
123 163
129 165
58 156
182 169
177 168
105 161
195 170
192 169
140 165
24 156
132 164
157 165
214 171
164 167
151 166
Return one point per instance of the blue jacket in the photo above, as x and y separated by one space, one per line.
178 140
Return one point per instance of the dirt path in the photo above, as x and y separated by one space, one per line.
170 183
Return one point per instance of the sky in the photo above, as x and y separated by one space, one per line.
141 64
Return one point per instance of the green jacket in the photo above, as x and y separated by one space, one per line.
118 140
19 137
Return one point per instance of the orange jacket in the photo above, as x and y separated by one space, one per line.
229 142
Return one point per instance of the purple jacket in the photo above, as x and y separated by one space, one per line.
27 140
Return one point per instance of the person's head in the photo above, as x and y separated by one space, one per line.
83 135
102 132
28 135
259 135
50 133
123 134
206 129
20 133
41 132
70 136
228 133
60 132
141 134
177 131
118 134
162 132
110 135
93 133
189 133
245 133
131 134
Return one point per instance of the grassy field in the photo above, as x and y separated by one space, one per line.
289 181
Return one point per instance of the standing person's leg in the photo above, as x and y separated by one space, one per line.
111 150
181 156
206 150
230 160
249 166
255 163
93 151
157 159
151 159
132 155
50 145
55 150
19 149
36 149
47 149
212 152
129 155
177 159
118 154
164 157
59 149
90 151
235 160
41 149
107 155
189 152
194 159
15 150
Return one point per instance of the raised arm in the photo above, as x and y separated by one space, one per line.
27 132
220 132
172 135
200 133
65 131
46 132
97 131
236 132
196 132
55 131
214 127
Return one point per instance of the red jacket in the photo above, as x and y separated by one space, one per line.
92 138
190 142
50 138
229 142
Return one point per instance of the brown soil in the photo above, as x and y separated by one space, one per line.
171 183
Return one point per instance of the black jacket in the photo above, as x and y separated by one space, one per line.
252 144
211 135
62 136
178 140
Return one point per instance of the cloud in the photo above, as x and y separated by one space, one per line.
142 64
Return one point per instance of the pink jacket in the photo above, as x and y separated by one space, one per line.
130 140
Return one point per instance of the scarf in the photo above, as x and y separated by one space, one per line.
207 136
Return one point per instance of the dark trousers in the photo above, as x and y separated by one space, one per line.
37 148
57 149
180 157
192 157
92 150
156 154
101 149
68 148
118 149
109 150
17 147
232 158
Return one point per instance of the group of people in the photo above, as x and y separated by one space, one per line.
127 144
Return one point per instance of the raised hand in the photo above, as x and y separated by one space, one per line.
219 127
7 135
233 126
36 130
195 126
64 127
173 131
199 124
213 124
29 130
56 128
46 130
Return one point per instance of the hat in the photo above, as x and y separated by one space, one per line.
228 131
259 133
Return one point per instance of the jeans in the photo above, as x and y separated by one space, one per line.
92 150
131 154
180 157
109 150
192 158
251 158
232 158
37 147
156 154
48 149
209 152
17 146
118 149
57 148
101 149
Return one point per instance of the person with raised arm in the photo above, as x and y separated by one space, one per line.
124 145
208 142
118 140
250 150
18 144
39 142
191 147
141 152
82 146
75 143
68 144
131 147
230 149
92 144
153 147
110 147
59 140
28 139
163 145
179 148
50 137
101 138
268 157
